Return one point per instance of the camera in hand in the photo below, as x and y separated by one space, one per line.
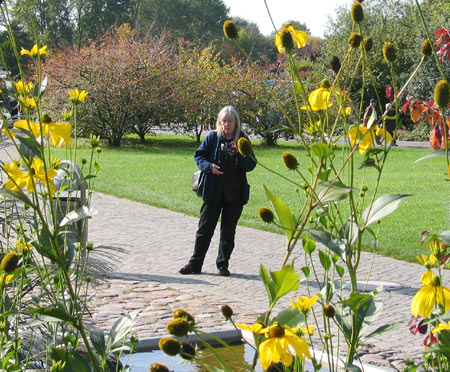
226 150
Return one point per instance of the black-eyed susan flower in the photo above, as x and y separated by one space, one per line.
279 345
429 295
427 261
265 215
58 132
9 262
76 96
319 99
169 345
357 13
158 367
178 327
329 310
19 179
244 146
230 30
289 160
368 136
35 51
355 40
288 37
187 350
442 93
389 52
303 303
181 313
335 64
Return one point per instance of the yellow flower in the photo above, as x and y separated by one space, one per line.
34 51
23 89
255 328
430 294
304 304
77 96
23 246
8 278
58 132
19 179
368 136
27 103
441 327
319 99
277 347
299 37
426 261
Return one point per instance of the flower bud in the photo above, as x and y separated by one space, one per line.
158 367
442 93
364 187
355 40
67 115
357 12
9 262
187 350
389 52
329 310
178 327
368 44
335 64
244 146
94 140
169 345
227 311
290 161
426 49
265 215
181 313
230 30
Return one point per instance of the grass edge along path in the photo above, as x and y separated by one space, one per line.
159 174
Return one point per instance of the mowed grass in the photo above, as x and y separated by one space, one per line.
160 172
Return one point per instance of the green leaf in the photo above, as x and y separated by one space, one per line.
306 271
327 192
77 214
327 291
98 340
356 300
440 152
329 241
290 316
382 207
44 245
286 218
120 330
325 260
280 283
49 314
367 163
298 88
309 245
382 329
29 146
321 150
340 270
278 128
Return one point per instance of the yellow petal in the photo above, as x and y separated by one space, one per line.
60 132
423 302
441 327
265 353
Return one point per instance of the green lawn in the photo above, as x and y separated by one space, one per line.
160 172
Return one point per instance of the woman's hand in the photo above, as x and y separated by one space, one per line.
215 169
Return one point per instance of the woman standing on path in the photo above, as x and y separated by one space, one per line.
225 190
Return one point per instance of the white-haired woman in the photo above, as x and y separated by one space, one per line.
225 190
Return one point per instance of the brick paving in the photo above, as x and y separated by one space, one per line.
138 249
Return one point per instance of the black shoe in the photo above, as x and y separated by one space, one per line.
223 271
189 269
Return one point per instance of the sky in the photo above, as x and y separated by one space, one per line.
313 13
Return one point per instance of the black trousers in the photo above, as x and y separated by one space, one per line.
209 215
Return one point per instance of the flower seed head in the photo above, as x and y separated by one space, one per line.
355 40
158 367
276 332
244 146
227 311
329 310
325 83
265 215
46 119
290 161
335 64
357 12
435 281
368 44
178 327
426 49
230 30
9 262
171 346
181 313
389 52
442 93
187 350
287 41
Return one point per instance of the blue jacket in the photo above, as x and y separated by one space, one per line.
206 155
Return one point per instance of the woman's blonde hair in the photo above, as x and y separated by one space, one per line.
231 112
